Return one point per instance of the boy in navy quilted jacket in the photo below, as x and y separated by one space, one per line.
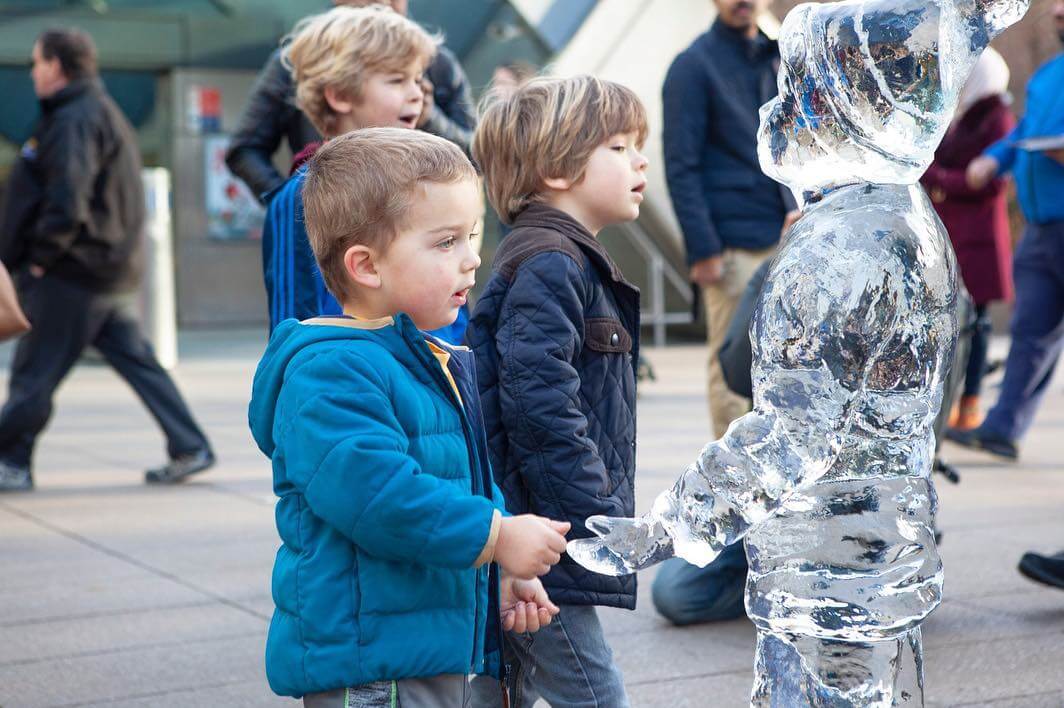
555 334
386 584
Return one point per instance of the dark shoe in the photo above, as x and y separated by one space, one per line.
1048 570
980 439
15 479
181 467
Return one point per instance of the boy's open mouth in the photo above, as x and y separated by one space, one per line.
461 295
408 120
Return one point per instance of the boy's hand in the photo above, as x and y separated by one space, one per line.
524 605
529 545
707 271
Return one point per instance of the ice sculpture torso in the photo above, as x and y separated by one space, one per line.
853 556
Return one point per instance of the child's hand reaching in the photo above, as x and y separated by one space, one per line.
524 605
529 545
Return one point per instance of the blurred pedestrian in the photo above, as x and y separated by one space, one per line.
732 217
271 113
730 213
1034 153
977 220
79 249
509 77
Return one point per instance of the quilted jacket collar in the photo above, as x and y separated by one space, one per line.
543 216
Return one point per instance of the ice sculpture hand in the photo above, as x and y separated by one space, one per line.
623 545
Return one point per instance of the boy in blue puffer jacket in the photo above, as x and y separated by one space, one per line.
385 588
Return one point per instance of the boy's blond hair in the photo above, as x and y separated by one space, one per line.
548 129
359 188
339 48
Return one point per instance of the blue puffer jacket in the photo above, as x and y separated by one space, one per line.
386 501
555 334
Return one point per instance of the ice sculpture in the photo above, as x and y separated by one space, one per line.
828 478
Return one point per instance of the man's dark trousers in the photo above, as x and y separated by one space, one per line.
66 319
1037 329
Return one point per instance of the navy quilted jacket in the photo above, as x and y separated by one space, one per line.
555 335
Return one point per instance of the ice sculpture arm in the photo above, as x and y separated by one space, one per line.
816 335
685 129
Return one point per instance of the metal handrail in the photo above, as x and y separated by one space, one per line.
659 270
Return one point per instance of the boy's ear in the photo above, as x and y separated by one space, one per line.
360 264
559 184
338 101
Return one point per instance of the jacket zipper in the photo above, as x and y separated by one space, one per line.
436 370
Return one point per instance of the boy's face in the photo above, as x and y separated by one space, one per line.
430 267
390 99
612 187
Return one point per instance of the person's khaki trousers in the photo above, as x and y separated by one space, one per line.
720 300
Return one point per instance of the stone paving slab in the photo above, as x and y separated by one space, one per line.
152 669
118 594
169 626
234 694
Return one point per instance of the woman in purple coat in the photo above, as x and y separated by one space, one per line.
976 219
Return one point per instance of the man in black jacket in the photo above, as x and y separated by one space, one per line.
73 227
271 114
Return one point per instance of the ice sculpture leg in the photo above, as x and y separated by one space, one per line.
829 673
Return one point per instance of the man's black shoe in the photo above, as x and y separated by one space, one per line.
1044 569
14 478
979 439
180 468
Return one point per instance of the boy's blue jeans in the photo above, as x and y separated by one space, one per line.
567 663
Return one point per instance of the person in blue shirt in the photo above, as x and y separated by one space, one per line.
387 585
1037 327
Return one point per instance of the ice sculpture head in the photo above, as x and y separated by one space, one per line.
867 88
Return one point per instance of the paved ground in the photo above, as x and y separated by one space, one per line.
113 593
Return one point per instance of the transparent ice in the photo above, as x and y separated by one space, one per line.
828 478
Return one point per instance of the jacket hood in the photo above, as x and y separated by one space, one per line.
289 341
